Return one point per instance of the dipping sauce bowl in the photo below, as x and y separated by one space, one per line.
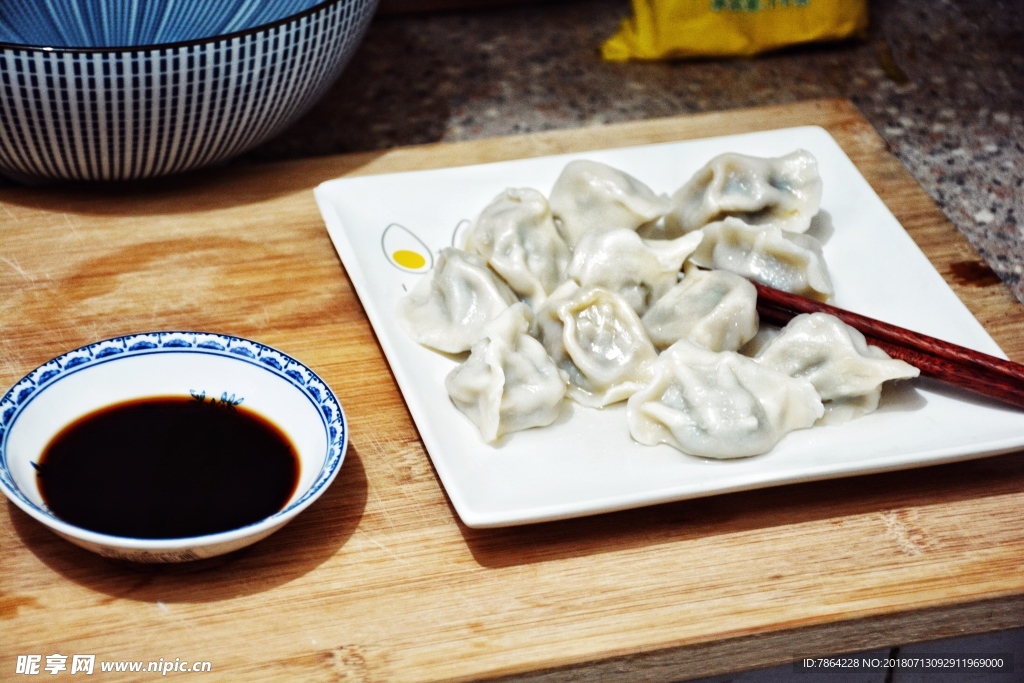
211 371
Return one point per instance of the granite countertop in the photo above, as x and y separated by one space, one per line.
942 82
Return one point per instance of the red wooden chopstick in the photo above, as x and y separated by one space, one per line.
974 371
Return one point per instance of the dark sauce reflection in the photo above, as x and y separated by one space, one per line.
168 467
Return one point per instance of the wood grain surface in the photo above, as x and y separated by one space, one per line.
378 581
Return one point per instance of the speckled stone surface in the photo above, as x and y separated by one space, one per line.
942 81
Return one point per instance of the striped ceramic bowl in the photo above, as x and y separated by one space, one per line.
123 89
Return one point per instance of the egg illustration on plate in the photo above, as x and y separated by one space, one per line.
405 250
461 233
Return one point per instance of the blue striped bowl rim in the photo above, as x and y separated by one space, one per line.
149 47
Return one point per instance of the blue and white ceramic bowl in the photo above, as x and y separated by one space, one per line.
158 364
123 89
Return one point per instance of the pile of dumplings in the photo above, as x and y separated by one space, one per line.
604 292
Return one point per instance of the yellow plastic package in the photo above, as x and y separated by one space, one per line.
668 29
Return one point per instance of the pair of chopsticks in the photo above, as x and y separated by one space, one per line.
973 371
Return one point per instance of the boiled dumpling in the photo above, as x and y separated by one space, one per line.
787 261
714 308
718 405
835 358
765 333
449 309
589 195
508 383
594 335
516 234
620 260
784 192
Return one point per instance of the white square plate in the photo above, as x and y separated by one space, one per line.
588 463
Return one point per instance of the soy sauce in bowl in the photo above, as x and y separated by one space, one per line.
168 467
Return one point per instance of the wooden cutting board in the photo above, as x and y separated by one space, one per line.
378 581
